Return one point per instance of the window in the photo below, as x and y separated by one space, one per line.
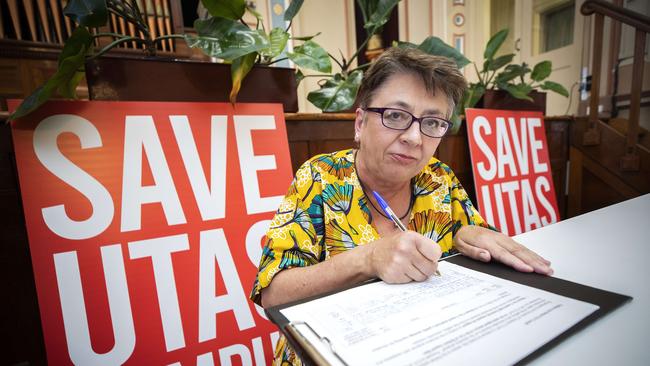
459 42
556 27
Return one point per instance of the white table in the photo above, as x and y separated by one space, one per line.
608 249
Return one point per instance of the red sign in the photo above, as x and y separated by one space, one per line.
512 170
145 224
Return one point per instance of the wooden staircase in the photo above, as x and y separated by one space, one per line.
610 160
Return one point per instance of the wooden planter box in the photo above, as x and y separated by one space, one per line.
160 79
499 99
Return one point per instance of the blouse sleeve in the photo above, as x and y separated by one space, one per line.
294 238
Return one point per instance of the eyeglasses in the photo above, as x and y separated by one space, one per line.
398 119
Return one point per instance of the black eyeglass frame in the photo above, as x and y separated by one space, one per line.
381 111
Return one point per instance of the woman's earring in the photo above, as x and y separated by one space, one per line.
356 137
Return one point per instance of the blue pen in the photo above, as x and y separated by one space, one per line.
387 210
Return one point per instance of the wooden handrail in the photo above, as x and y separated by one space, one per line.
629 17
47 25
641 23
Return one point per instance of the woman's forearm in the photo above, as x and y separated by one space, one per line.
347 268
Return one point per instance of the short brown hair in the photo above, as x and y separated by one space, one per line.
437 73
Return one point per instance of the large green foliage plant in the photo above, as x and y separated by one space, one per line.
226 36
223 35
498 72
338 91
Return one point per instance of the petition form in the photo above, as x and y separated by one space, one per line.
461 317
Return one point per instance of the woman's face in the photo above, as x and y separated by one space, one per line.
395 156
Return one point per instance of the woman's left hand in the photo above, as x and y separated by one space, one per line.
484 244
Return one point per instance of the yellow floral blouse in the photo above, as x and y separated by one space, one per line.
325 212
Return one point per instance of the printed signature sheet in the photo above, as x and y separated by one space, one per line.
464 316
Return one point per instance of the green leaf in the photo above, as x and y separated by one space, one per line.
500 62
367 7
292 10
306 38
541 71
239 69
229 9
553 86
226 38
79 39
495 43
436 46
68 89
209 45
473 95
33 101
65 77
311 56
511 72
87 13
299 77
79 42
379 14
519 91
278 40
338 93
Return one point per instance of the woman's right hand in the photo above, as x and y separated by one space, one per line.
404 257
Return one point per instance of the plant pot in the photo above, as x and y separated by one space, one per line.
499 99
164 79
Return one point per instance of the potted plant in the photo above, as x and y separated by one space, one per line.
337 92
224 35
504 85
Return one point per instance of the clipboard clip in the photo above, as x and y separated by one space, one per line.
294 330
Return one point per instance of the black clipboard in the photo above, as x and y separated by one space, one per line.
606 300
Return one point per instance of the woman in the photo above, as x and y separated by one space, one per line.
329 231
